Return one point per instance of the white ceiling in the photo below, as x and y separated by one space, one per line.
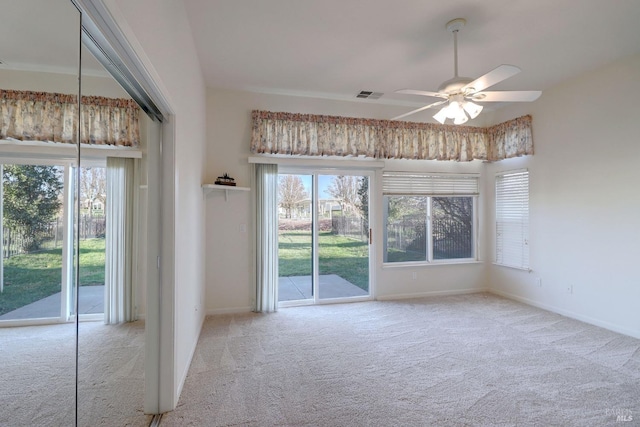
336 48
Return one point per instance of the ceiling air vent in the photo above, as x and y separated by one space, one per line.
367 94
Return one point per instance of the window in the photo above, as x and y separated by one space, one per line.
429 218
512 219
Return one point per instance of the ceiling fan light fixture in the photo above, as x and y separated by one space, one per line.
460 91
453 110
441 115
460 118
472 109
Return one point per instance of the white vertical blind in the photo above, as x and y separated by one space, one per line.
265 182
512 219
119 291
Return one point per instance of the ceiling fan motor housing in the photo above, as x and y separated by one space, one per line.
455 24
453 86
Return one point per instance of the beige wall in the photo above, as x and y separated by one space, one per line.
584 200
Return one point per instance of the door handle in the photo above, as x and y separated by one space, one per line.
370 236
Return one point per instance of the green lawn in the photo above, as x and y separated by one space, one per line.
31 277
339 255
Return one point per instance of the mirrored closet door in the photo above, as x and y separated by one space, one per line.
73 208
112 291
39 87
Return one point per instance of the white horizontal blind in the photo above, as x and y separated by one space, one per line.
409 183
512 219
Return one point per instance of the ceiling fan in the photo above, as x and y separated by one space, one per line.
461 93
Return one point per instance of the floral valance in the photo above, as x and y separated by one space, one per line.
43 116
316 135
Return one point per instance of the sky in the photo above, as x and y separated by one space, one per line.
323 184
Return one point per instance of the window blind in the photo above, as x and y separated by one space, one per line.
512 219
410 183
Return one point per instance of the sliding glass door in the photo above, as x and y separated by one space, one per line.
324 237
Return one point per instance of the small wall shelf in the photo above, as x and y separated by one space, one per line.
208 188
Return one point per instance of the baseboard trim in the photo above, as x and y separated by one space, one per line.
567 313
238 310
431 294
232 310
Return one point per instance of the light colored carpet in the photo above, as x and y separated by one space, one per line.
470 360
37 373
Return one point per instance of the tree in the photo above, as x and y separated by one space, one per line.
93 186
345 190
454 216
363 194
31 200
456 209
409 213
291 192
401 207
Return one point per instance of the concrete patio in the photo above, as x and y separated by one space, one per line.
92 297
91 302
331 286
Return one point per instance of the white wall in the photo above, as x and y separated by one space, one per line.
229 251
160 34
584 200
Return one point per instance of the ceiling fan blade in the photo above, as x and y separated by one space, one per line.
493 77
507 96
422 93
435 104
